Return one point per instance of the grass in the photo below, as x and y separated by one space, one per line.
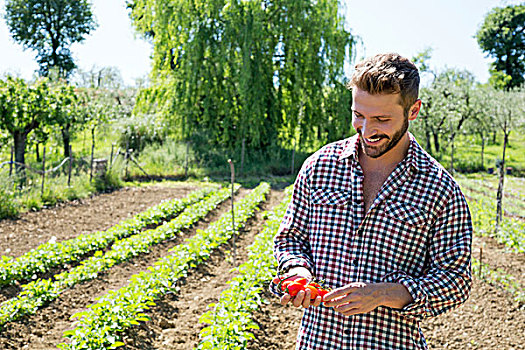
168 160
467 157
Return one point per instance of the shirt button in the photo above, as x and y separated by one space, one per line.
355 262
347 331
360 231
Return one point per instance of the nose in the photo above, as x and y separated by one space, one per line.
366 127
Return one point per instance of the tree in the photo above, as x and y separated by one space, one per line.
65 112
502 37
260 72
509 114
50 28
482 121
23 108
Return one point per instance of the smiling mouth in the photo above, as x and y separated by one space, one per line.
372 140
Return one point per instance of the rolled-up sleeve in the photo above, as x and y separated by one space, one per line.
291 244
447 282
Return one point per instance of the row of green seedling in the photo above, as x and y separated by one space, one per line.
58 254
512 206
511 232
37 293
99 326
230 320
499 278
510 188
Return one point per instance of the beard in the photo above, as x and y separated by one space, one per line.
392 141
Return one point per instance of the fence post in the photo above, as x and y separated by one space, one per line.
111 156
70 167
11 162
126 174
92 153
43 171
186 160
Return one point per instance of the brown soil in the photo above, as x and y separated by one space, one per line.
498 256
490 319
175 319
36 332
78 217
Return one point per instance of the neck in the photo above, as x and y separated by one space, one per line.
387 161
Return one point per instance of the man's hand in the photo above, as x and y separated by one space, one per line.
358 297
303 298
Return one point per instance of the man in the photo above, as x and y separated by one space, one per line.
379 221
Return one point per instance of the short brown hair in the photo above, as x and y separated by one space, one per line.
388 73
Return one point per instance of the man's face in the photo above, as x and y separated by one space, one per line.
379 120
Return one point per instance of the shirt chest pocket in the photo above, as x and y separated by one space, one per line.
331 211
330 219
406 214
330 197
401 240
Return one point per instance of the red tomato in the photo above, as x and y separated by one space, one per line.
301 280
313 291
294 288
322 293
285 285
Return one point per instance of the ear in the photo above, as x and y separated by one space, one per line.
414 110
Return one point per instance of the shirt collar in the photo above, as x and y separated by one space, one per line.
416 157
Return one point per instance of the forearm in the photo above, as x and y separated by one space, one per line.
394 295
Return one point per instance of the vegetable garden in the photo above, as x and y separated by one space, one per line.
171 276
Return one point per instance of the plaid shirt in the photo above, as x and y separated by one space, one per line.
417 232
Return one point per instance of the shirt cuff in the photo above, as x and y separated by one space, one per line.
285 266
418 307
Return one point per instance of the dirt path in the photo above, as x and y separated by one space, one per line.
78 217
37 332
175 319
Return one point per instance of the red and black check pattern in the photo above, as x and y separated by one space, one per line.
417 232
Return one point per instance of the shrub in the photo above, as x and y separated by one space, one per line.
139 131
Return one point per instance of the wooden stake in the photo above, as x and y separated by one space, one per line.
480 261
43 171
232 171
92 153
241 173
11 162
70 167
186 160
293 159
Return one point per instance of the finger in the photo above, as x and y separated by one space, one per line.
353 311
307 297
339 292
317 301
285 299
339 301
298 300
343 309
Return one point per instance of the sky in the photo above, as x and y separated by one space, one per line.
403 26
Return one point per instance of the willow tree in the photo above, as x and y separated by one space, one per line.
255 71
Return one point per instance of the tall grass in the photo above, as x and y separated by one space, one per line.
16 198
